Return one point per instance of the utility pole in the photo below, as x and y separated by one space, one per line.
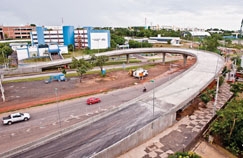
1 87
240 36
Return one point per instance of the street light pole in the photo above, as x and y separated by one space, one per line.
98 46
216 97
60 125
217 88
153 95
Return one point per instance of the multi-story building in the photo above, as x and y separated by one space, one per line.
15 32
54 41
67 35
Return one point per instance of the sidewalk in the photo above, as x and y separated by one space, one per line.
184 134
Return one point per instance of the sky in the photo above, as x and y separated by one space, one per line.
203 14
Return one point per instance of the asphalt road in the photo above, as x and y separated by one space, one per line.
50 118
96 136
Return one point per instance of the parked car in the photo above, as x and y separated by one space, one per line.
16 117
93 100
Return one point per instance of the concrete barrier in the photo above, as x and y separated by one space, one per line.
23 70
138 137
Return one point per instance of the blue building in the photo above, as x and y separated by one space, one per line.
67 35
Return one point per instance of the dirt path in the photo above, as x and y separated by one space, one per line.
205 150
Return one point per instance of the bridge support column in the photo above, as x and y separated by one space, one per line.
185 59
163 58
127 58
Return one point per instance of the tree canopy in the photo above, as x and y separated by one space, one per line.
5 51
99 61
228 127
236 88
136 44
81 66
210 43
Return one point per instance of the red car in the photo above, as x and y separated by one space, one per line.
93 100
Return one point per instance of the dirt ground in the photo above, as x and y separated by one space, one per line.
26 94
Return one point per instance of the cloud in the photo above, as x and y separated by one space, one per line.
182 13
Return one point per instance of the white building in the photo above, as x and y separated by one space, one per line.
53 41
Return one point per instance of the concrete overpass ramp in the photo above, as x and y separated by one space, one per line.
166 99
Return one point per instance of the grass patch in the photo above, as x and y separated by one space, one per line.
28 79
121 62
37 59
154 59
69 75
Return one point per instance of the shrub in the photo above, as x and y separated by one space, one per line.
189 154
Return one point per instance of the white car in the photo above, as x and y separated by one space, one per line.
16 117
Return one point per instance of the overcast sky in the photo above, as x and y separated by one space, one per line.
222 14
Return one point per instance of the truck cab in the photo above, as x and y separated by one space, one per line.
140 73
16 117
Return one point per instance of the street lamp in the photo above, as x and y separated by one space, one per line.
98 46
217 89
153 94
60 125
216 97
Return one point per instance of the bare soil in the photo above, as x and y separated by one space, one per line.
26 94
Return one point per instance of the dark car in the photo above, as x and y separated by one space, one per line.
93 100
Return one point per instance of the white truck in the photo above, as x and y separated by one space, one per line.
16 117
140 72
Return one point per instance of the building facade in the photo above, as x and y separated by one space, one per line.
15 32
67 35
54 41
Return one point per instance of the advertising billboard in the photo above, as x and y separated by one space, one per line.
98 41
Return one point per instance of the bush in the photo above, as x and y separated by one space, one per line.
208 95
189 154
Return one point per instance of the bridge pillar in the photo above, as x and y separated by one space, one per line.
163 58
127 58
185 59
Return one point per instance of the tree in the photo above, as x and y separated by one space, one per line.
228 41
236 88
211 43
207 95
99 61
5 51
237 59
228 127
118 39
6 36
81 66
70 47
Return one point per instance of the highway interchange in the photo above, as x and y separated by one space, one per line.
74 111
99 134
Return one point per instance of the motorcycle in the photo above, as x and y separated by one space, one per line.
144 89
